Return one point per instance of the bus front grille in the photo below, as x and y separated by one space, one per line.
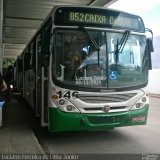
106 98
102 108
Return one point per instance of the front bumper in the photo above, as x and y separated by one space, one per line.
63 121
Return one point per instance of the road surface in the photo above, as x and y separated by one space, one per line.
143 140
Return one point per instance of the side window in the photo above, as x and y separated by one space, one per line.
20 65
59 56
27 56
46 36
32 52
38 57
39 51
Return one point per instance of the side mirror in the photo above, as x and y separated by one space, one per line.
150 40
150 45
149 50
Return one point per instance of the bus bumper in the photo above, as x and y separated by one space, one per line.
62 121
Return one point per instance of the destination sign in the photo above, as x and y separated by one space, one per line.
98 18
87 17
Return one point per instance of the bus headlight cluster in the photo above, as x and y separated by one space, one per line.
140 103
144 99
69 108
66 106
61 101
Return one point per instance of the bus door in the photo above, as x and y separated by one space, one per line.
40 85
46 35
41 80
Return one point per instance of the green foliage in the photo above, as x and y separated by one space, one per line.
7 62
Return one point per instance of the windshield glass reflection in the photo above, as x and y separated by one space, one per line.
78 62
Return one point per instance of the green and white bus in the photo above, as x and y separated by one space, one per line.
86 68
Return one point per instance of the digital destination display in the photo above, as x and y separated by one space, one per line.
99 19
77 16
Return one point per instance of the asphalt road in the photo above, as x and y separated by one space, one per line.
143 140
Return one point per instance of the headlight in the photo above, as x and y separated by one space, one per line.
70 108
144 99
66 106
140 103
61 101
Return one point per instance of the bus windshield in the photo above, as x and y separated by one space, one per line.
78 62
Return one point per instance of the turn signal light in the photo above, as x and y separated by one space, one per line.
55 96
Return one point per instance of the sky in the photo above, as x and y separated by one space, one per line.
149 10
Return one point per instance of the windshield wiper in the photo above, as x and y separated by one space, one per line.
94 44
90 53
120 45
90 38
123 40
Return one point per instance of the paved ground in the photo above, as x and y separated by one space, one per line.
138 141
135 142
16 136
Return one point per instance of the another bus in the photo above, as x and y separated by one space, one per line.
86 68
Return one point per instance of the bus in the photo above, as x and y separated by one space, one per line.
86 68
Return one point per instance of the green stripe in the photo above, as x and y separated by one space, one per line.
62 121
